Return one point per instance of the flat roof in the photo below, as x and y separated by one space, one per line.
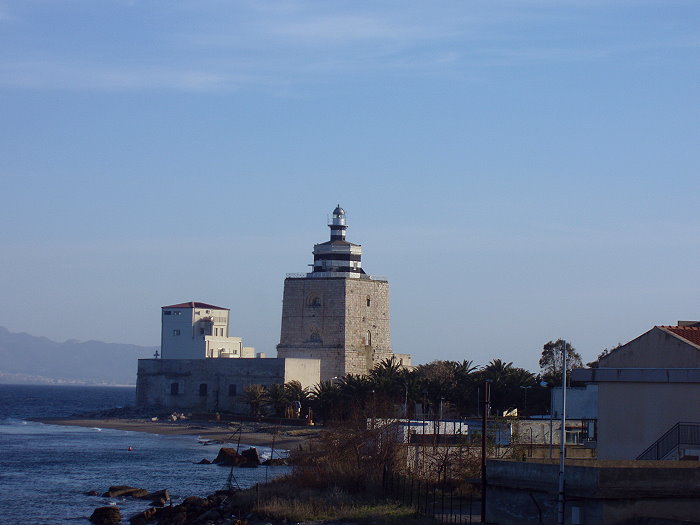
636 375
194 304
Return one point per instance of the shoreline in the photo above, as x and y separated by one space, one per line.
253 434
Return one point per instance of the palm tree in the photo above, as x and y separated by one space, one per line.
357 396
278 399
256 396
325 400
295 392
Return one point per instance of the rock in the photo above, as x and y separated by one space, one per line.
276 462
124 490
142 517
204 462
92 493
106 515
159 494
252 459
229 457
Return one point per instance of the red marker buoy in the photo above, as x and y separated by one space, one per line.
130 449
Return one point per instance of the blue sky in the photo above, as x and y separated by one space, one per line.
519 171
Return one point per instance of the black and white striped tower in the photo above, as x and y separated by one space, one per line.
338 224
337 257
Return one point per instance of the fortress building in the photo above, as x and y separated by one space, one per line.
337 313
198 330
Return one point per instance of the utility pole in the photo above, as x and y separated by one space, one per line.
485 406
562 451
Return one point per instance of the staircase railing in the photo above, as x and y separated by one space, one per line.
679 434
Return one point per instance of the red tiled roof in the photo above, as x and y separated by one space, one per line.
689 333
194 304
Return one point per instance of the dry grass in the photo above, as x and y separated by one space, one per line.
284 500
337 477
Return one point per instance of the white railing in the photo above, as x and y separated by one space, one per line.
321 275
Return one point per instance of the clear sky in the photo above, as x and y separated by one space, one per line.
519 170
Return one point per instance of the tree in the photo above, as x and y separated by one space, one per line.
295 392
506 382
551 360
326 401
277 398
256 396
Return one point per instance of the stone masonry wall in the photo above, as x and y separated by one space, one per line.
343 322
223 380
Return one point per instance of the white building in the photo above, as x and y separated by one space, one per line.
198 330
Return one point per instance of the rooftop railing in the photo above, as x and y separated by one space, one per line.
321 275
679 434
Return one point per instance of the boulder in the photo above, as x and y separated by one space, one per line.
92 493
164 494
205 461
124 490
276 462
142 517
252 459
194 501
229 457
106 515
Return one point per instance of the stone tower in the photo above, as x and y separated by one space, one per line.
337 313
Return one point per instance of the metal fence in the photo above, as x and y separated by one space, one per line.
438 500
680 434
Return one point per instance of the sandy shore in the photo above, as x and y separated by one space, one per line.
257 434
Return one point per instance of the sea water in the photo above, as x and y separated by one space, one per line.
46 470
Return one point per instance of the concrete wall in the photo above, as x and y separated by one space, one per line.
620 492
654 349
581 403
184 330
632 416
154 385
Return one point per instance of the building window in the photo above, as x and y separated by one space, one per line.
203 390
176 312
314 301
174 389
232 390
201 331
176 332
167 312
369 301
368 338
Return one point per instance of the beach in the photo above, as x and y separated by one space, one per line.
251 433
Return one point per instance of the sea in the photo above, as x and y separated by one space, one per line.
46 470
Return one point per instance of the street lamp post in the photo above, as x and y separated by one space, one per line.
562 451
484 419
405 402
525 389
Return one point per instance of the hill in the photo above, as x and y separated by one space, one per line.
26 358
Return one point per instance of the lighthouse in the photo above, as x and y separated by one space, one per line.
337 257
336 312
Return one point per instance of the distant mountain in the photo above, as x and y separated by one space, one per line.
26 358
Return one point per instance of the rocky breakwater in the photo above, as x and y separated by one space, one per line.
112 514
217 508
